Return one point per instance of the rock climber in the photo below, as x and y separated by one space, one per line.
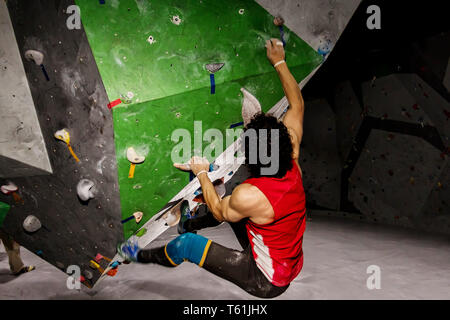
266 212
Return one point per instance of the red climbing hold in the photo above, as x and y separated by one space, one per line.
114 103
391 173
416 107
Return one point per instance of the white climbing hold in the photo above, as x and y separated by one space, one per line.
241 11
173 216
9 188
151 40
62 135
85 189
138 216
133 157
176 20
35 56
250 106
31 224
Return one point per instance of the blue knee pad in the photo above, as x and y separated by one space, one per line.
188 246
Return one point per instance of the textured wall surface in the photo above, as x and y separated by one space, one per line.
319 22
319 158
73 231
22 148
397 169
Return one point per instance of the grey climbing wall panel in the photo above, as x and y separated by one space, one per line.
22 147
397 164
394 177
319 22
73 231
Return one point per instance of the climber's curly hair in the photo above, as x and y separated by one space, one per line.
266 121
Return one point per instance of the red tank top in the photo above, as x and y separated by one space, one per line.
277 246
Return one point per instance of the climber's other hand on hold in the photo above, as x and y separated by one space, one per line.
196 165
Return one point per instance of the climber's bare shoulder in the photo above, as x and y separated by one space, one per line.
247 201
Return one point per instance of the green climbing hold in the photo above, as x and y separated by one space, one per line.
141 232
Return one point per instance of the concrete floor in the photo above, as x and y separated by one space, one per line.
337 254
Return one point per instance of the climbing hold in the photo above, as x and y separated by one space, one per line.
85 189
325 47
39 252
99 257
114 103
112 272
151 40
128 98
250 106
11 188
88 274
95 265
115 264
213 68
60 265
141 232
279 22
241 11
38 58
31 224
137 216
133 157
176 20
64 135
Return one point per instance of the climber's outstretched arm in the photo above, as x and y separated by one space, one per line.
293 118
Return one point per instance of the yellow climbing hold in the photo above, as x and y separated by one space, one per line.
63 135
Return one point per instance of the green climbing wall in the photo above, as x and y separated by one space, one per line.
168 86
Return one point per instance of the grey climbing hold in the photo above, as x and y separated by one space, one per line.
31 224
250 106
214 67
35 56
85 189
88 274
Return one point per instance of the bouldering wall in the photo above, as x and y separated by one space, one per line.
152 56
72 231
